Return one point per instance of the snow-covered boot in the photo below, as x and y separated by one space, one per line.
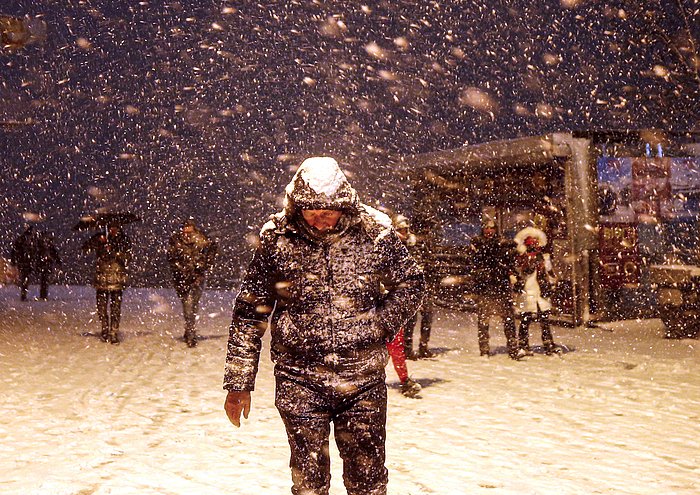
410 389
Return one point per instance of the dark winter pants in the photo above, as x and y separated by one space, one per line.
109 308
359 428
524 331
503 308
190 296
426 321
43 285
24 283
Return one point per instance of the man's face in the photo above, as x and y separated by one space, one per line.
322 220
403 233
188 229
489 231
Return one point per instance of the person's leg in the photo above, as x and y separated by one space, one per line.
360 433
409 388
408 337
510 332
23 284
398 358
101 296
547 338
187 310
482 326
306 417
190 306
524 332
115 312
426 322
44 285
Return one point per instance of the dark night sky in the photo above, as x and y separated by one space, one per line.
176 108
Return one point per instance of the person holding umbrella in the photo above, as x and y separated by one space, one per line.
112 249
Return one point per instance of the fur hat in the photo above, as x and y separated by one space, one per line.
526 236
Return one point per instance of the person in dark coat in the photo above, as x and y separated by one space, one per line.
534 287
46 259
493 265
335 284
22 257
34 252
190 255
420 254
112 250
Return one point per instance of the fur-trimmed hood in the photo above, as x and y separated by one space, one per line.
529 232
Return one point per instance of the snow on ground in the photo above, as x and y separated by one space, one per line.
616 414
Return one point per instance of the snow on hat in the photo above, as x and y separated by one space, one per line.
319 184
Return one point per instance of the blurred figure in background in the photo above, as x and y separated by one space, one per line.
22 257
46 260
190 254
397 347
493 264
534 285
403 229
112 249
34 252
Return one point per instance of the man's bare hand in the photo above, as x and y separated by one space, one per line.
237 401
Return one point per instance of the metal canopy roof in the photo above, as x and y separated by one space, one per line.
519 152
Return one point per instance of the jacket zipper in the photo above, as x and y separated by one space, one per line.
329 282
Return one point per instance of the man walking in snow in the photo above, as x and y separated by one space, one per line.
336 284
493 265
190 255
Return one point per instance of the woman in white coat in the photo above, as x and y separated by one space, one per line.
533 288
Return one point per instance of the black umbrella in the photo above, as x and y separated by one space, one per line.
104 220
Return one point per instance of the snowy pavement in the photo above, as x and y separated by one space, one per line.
618 413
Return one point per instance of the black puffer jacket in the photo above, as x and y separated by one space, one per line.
492 263
337 298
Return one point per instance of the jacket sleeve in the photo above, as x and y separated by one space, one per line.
252 309
404 283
